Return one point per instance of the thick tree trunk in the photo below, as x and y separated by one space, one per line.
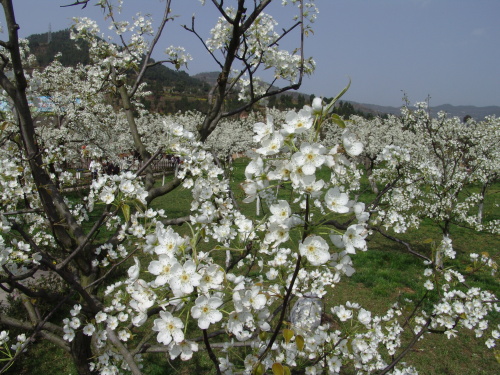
81 353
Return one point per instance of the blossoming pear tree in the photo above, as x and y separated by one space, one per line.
427 165
129 283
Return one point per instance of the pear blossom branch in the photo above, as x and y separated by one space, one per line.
290 286
163 22
408 348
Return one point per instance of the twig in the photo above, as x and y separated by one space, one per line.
211 354
80 247
146 164
407 245
21 212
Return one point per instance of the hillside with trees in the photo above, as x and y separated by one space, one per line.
174 90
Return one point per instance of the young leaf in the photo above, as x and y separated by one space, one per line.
288 334
259 369
338 120
329 108
278 369
126 212
299 341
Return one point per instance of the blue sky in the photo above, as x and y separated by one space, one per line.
446 49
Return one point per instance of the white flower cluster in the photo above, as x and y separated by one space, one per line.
259 47
178 56
117 189
14 183
106 53
484 260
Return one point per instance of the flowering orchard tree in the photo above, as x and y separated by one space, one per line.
128 283
426 165
423 168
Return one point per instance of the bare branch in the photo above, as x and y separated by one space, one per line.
21 212
162 190
146 164
176 221
405 244
210 352
38 328
77 2
84 243
220 7
202 41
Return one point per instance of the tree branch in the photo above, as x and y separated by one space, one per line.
127 356
211 353
405 244
140 76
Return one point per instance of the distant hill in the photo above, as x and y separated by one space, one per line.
208 77
177 90
377 110
73 52
460 111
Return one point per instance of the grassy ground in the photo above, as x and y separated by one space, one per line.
384 274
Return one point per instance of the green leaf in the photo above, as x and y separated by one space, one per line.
329 108
299 341
126 212
288 334
349 346
259 369
287 371
338 120
278 369
262 335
